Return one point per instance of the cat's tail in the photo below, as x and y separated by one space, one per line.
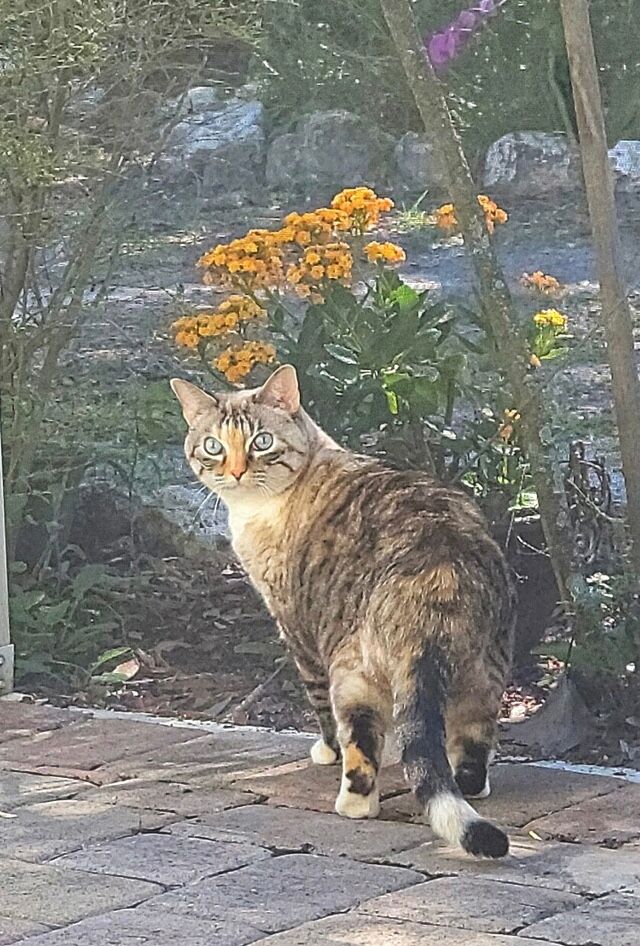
420 722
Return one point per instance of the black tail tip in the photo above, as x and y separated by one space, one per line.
483 839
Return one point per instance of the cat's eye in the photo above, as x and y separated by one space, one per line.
262 441
212 446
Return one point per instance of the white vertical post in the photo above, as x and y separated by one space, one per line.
6 647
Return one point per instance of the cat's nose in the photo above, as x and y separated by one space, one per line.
238 472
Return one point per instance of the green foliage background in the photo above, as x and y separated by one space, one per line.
512 76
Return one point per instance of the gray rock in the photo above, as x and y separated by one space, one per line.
12 930
624 158
576 868
472 904
220 146
608 920
308 831
54 897
532 163
416 164
331 149
281 892
357 930
20 788
162 858
285 168
42 831
146 927
201 98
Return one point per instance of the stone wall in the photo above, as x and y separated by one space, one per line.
222 148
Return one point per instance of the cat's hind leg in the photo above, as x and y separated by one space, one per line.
325 750
471 726
361 714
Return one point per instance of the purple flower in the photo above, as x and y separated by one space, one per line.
445 45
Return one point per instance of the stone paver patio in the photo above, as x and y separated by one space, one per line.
115 832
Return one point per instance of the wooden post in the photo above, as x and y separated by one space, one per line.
496 299
616 316
6 647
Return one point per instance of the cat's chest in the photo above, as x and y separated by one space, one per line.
259 541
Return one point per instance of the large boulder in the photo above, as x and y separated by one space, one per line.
329 149
624 158
219 144
532 163
417 167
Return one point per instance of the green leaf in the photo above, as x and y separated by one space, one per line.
342 354
53 614
109 656
87 578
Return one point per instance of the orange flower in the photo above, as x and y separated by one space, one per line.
384 252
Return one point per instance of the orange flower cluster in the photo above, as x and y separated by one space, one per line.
541 282
237 361
446 214
492 213
255 260
316 226
318 263
363 207
384 252
228 317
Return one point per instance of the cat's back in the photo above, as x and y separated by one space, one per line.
356 501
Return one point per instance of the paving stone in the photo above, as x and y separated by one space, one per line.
211 761
86 744
306 831
182 799
22 788
162 858
472 904
355 929
52 896
611 820
20 720
40 832
13 930
610 920
282 892
313 787
519 794
571 867
147 927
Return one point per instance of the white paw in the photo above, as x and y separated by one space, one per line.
350 805
322 754
486 791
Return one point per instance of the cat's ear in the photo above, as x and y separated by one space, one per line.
281 390
192 399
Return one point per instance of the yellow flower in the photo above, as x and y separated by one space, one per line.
550 318
303 237
236 362
317 272
312 257
384 252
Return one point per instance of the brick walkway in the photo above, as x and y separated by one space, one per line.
117 832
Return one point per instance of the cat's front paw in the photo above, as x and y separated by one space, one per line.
351 805
323 754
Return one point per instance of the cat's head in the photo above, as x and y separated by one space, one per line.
252 441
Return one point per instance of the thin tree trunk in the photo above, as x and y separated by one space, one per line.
495 296
616 316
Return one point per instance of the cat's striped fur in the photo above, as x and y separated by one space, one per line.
393 600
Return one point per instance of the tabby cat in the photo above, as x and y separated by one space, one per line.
393 601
